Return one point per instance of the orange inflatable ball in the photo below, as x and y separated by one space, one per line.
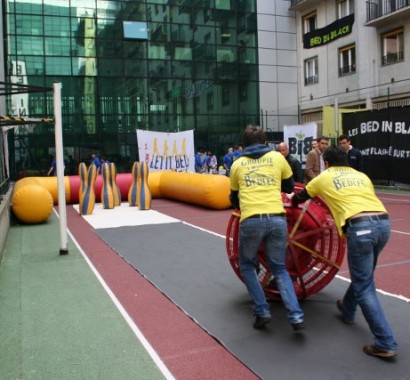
32 203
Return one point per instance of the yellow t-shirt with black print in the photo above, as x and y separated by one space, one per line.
346 191
258 181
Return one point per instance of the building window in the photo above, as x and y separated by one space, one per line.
135 30
344 8
393 47
311 71
347 60
309 22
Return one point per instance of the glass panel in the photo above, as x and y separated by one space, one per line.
29 25
110 67
134 49
135 68
58 66
57 7
34 65
135 30
29 8
30 45
57 26
108 9
183 53
157 51
57 46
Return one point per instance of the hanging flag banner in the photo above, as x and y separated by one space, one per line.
337 29
167 151
299 139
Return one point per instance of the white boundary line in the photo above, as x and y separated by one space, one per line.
399 296
150 350
337 276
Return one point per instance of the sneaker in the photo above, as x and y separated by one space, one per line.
374 351
260 322
298 326
339 307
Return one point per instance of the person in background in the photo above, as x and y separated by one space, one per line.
228 161
354 156
362 218
210 163
314 161
293 162
199 160
237 151
53 167
257 179
314 144
96 161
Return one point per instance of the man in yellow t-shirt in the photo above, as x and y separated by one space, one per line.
257 178
362 218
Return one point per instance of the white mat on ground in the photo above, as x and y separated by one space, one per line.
124 215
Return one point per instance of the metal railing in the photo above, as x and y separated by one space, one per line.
312 79
380 8
345 70
393 57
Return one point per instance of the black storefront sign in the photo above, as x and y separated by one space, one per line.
338 29
383 137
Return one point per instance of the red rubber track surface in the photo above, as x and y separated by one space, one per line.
187 350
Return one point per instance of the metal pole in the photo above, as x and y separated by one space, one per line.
58 134
336 118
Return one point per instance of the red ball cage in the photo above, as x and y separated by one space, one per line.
314 252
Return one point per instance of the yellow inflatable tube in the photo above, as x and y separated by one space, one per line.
207 190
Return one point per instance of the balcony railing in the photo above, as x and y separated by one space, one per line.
380 8
346 70
294 2
311 80
393 57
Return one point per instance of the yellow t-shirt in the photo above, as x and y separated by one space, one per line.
258 181
346 191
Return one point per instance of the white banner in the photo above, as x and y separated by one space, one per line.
167 151
19 102
299 139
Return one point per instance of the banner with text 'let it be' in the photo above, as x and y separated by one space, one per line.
167 151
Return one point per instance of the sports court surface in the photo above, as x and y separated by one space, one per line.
167 273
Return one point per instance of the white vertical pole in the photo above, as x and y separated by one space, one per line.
58 133
337 118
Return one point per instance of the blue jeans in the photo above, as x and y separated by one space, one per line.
273 232
365 241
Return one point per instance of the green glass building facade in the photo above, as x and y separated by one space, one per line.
161 65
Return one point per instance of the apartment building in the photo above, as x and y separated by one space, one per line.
352 54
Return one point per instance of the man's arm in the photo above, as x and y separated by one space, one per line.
287 185
300 197
234 198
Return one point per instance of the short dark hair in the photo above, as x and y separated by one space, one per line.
343 137
253 134
335 156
